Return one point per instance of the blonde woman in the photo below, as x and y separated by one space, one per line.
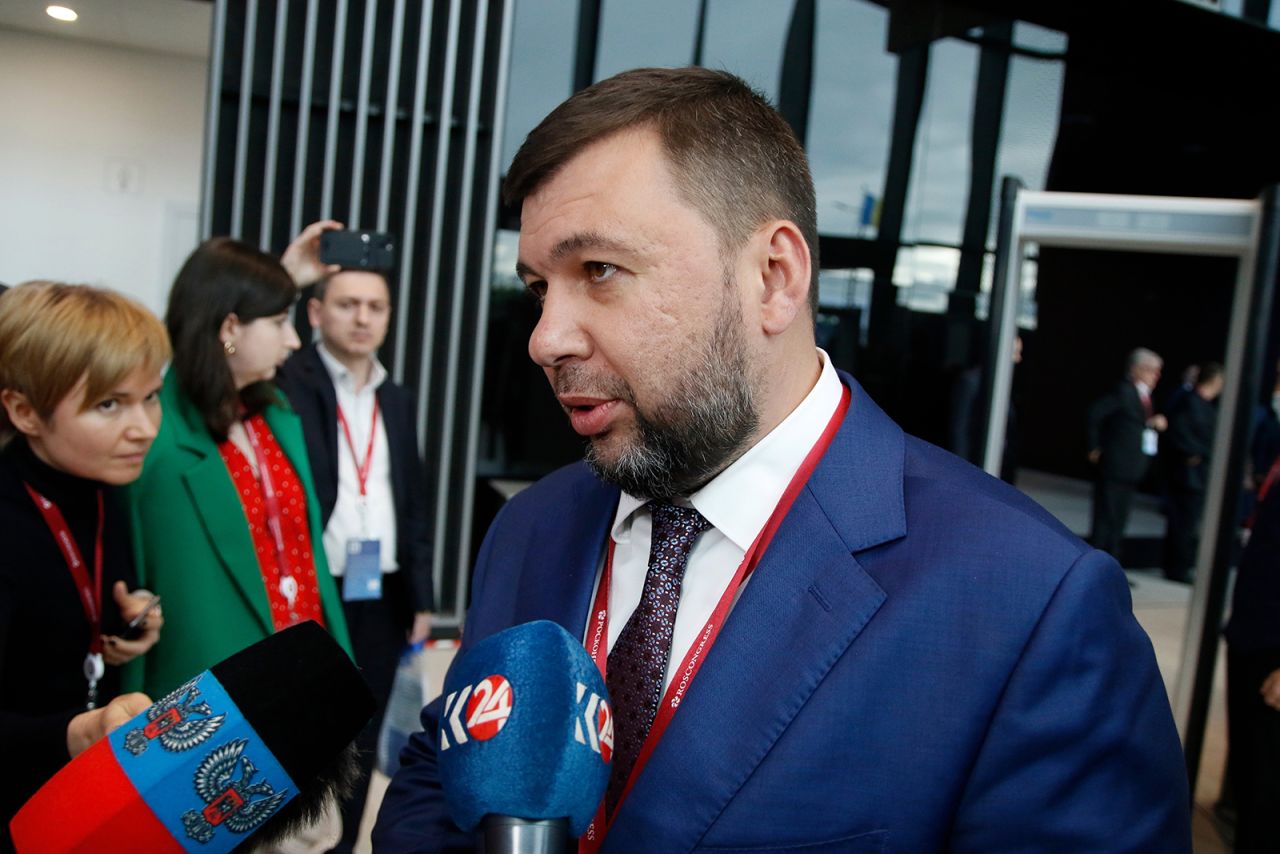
79 383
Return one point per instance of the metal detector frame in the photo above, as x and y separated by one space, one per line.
1242 229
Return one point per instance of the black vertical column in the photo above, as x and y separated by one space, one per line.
389 110
988 116
795 84
1266 269
584 64
884 333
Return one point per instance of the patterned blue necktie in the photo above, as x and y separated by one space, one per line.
638 660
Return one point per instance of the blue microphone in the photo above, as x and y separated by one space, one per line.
526 738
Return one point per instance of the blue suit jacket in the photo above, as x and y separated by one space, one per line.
924 660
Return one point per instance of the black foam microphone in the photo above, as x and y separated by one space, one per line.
526 737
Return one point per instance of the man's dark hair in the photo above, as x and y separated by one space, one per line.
734 158
321 287
222 277
1209 372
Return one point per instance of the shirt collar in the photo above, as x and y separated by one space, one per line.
341 376
739 500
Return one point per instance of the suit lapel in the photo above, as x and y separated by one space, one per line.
325 412
572 552
805 605
399 446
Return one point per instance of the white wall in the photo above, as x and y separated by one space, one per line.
100 152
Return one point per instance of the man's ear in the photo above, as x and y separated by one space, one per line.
785 267
313 312
21 413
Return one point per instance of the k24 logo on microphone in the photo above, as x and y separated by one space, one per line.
596 720
477 712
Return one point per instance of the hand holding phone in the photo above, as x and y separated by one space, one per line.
133 629
302 257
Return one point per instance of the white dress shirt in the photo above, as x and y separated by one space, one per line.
737 502
376 519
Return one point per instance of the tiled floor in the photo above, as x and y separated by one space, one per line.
1159 605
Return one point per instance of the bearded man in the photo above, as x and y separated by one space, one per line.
915 656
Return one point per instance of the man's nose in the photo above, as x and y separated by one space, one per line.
560 335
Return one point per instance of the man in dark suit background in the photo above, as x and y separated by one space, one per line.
1123 427
1190 439
363 449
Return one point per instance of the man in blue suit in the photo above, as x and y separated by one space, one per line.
915 656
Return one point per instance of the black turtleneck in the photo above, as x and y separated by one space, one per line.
43 631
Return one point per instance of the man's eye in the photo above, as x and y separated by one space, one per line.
108 405
598 271
537 290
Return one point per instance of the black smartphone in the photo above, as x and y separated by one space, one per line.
358 250
133 630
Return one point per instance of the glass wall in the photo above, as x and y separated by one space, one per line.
854 96
851 115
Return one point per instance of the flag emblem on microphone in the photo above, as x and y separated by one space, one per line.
478 711
172 720
230 801
596 721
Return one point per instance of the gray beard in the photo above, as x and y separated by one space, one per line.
701 427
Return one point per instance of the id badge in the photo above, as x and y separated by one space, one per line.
362 579
1149 442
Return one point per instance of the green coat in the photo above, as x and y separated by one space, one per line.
193 547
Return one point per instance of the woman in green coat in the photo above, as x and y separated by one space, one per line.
226 523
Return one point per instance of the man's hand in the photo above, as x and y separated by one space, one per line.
1157 422
117 650
87 727
1095 455
1271 690
421 627
302 258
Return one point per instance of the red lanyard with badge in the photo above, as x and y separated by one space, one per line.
288 585
693 659
90 593
362 572
362 468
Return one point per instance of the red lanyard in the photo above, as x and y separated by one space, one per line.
90 593
693 659
362 468
271 504
1273 474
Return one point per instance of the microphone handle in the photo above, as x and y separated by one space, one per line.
504 834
